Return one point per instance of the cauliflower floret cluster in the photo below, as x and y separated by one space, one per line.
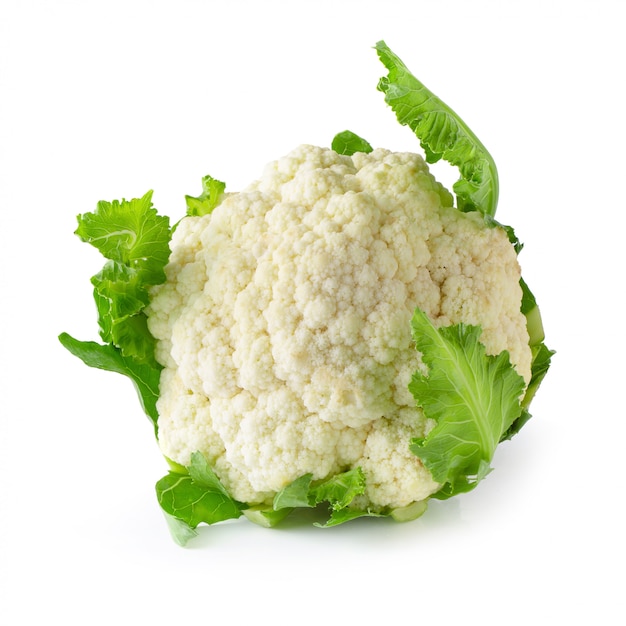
284 324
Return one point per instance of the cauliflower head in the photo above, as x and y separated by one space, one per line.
284 323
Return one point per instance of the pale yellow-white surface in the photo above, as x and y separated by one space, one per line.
284 324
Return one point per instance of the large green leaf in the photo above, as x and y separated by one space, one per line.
473 398
442 134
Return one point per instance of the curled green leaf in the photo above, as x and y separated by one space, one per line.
211 196
442 134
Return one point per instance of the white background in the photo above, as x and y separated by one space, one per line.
109 99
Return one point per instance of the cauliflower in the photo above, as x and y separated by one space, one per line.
341 331
284 324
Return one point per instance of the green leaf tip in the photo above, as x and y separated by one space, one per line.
349 143
442 134
107 357
211 196
180 530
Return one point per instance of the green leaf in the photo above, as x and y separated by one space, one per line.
541 361
339 490
442 134
203 475
122 286
211 196
541 357
108 357
295 495
135 239
473 397
348 143
197 497
533 317
130 232
120 296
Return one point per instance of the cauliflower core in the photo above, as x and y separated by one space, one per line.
284 324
